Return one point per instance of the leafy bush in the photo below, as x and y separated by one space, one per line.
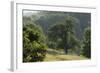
34 48
87 43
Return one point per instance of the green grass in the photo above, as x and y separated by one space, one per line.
54 55
50 57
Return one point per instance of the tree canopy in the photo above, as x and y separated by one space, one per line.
63 33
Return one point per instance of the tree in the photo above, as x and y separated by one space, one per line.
87 43
62 32
34 48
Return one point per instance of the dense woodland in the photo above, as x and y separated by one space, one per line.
53 36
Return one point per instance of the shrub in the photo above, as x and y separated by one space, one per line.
34 48
87 43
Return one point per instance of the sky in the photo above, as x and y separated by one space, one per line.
29 12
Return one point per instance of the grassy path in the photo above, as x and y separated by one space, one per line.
54 55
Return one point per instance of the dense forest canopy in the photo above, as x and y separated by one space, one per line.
47 18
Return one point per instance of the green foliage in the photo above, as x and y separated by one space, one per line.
47 19
87 43
34 48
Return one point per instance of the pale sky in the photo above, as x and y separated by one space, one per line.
29 12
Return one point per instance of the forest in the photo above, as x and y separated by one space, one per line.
56 36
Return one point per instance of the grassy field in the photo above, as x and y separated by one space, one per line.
54 55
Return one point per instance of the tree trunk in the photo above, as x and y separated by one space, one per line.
66 50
